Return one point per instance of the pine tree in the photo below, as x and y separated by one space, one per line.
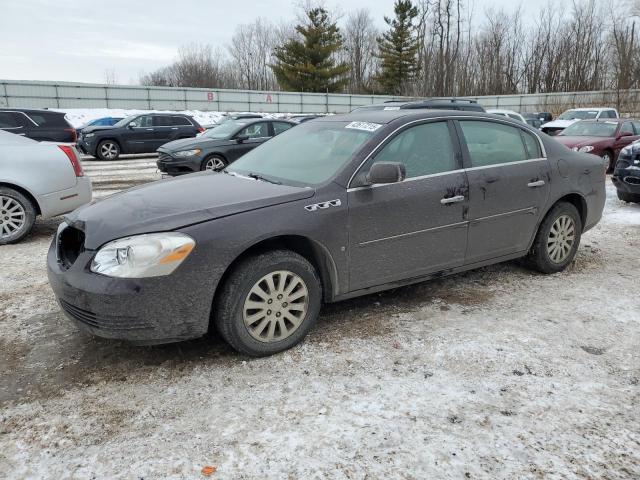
398 49
307 63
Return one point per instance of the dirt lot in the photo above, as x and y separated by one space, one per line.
497 373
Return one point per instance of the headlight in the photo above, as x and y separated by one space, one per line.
629 150
148 255
88 135
586 149
575 149
187 153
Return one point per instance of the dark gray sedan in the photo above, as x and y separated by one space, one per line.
218 147
334 208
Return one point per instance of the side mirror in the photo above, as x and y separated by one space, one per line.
386 172
242 138
132 125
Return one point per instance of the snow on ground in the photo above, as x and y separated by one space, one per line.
495 373
80 116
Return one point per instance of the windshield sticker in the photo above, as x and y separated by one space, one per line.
367 127
391 108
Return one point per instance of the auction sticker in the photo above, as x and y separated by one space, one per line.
366 126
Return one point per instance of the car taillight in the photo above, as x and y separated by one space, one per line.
73 158
74 134
200 130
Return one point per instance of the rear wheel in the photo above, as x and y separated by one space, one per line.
557 240
607 159
108 150
269 303
628 197
17 216
214 163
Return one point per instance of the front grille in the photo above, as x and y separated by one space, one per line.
103 322
70 245
632 180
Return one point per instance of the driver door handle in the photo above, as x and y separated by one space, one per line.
456 199
538 183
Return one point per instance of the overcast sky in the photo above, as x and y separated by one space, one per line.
79 40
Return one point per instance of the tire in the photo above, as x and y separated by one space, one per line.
248 329
609 162
214 163
543 256
17 216
108 150
628 197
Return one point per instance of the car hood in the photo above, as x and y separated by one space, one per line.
559 123
170 204
571 141
190 143
97 128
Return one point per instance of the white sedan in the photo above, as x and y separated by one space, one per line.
507 113
37 178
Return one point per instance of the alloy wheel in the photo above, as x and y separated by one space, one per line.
12 216
606 158
276 306
109 150
561 238
216 164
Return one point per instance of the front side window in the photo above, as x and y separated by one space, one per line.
144 121
256 130
492 143
627 127
309 154
424 149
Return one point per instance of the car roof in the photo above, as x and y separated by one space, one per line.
30 110
607 120
7 138
587 109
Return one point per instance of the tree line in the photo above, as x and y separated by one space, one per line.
426 48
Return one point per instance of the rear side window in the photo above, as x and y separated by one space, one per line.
533 145
162 121
279 127
424 149
492 143
636 125
7 120
181 121
627 127
49 119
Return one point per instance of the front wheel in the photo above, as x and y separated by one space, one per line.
557 240
607 159
108 150
269 303
214 163
17 216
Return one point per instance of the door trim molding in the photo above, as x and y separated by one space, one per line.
416 232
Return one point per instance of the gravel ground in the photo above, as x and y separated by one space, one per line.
496 373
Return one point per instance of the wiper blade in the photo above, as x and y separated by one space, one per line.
257 176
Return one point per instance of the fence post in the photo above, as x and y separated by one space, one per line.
106 96
6 95
149 97
186 105
57 96
326 101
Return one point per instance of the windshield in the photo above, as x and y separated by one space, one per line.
578 115
309 154
224 130
591 129
125 121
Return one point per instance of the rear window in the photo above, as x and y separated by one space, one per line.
162 121
49 119
181 121
493 143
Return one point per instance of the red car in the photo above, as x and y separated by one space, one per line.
604 138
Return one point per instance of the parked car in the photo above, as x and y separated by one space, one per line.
602 138
439 103
626 176
218 147
507 113
297 119
239 116
36 178
41 125
99 122
332 209
575 115
533 119
142 133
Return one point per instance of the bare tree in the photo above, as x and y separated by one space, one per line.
110 77
360 50
252 51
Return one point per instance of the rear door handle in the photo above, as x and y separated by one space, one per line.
149 129
456 199
539 183
174 128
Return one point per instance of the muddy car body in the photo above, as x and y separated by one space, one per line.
331 209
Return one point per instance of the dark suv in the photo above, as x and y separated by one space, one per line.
41 125
331 209
439 103
142 133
